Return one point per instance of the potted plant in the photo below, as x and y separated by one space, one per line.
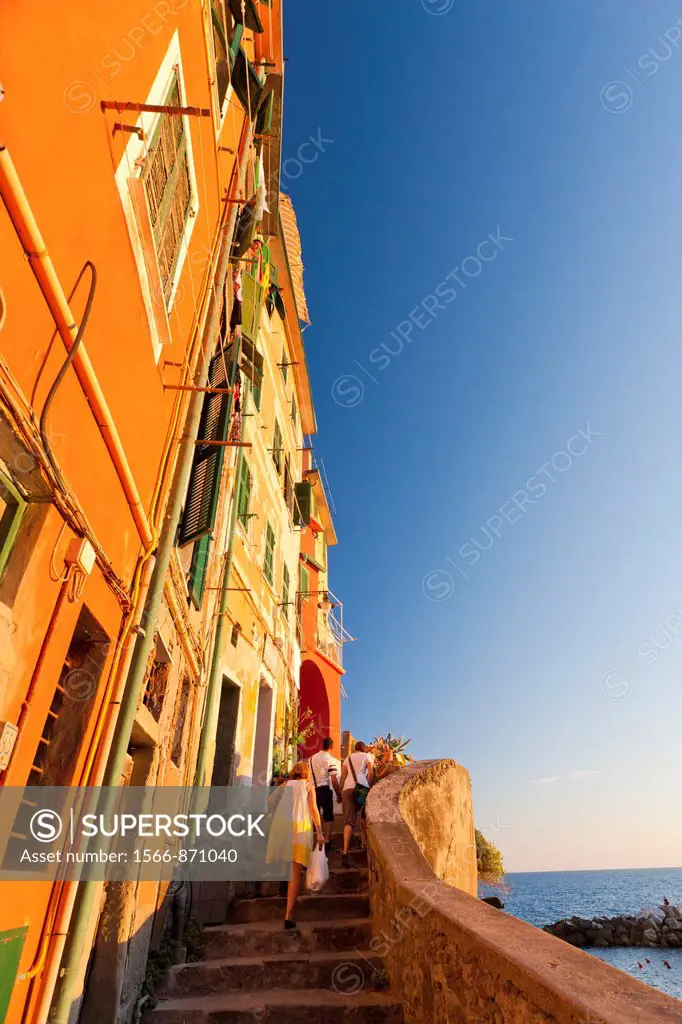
389 754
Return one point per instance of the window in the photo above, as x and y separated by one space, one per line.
13 507
247 84
227 35
157 681
269 562
168 188
285 364
293 409
73 703
288 485
201 503
244 494
198 569
286 586
277 448
304 582
182 713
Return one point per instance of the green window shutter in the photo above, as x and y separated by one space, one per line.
293 410
265 113
13 508
304 582
197 572
252 305
201 503
269 563
277 448
288 484
284 362
286 586
246 83
244 493
303 504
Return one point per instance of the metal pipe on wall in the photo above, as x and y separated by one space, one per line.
26 227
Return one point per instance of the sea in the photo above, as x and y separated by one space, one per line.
543 897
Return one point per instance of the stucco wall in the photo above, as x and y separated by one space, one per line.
455 960
436 805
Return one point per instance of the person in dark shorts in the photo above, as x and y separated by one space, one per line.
325 772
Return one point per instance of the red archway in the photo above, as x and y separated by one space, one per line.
314 696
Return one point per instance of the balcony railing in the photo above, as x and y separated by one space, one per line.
331 649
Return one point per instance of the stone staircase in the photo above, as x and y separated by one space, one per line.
254 970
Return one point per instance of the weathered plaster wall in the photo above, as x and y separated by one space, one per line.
455 960
437 807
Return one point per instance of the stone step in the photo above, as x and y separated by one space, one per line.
267 937
341 880
344 971
309 908
356 859
280 1006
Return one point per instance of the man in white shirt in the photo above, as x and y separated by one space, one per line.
357 774
325 772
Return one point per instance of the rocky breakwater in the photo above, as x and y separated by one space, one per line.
658 927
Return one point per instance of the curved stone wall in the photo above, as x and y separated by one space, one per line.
452 958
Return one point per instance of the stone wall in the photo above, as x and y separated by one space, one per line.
436 806
455 960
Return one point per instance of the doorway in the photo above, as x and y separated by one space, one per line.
224 765
262 747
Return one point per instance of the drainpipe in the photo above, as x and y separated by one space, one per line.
26 227
68 976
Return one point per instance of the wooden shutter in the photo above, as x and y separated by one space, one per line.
288 484
244 493
246 83
269 561
265 112
252 305
168 188
198 569
286 583
203 492
277 448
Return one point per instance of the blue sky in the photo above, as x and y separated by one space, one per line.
555 126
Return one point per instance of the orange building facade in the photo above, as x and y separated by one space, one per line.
135 147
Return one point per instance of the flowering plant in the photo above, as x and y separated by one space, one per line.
389 753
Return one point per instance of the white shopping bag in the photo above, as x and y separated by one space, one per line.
317 874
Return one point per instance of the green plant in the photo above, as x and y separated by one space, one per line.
488 860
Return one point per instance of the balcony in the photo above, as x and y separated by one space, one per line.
330 648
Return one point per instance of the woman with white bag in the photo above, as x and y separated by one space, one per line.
306 817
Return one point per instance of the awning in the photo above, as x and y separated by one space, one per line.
292 242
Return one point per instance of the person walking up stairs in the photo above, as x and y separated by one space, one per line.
255 971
